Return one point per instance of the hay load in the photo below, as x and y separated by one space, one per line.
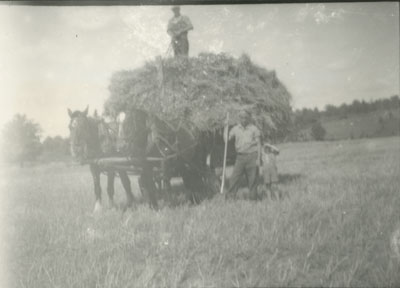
201 90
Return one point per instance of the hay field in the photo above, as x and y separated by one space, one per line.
334 229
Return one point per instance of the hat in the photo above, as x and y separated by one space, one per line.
175 8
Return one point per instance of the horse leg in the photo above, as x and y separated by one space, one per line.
191 185
127 186
167 189
110 188
146 182
166 180
94 169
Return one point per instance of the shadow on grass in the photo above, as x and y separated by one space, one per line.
288 178
176 197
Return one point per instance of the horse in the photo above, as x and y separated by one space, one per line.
183 151
90 139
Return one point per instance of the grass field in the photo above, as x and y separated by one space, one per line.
334 229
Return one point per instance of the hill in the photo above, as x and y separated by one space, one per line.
372 124
380 118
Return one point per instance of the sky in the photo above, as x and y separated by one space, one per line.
54 58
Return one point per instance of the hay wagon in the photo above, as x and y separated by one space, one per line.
191 96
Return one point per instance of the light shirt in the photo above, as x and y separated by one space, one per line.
269 159
179 25
246 138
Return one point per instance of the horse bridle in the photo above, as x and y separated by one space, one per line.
82 143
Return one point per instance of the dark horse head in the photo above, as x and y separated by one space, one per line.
84 138
90 139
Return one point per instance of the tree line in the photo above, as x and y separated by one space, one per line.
306 116
21 142
313 118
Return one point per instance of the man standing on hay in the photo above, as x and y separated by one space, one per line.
248 155
178 28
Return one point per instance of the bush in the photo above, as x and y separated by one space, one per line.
318 131
21 140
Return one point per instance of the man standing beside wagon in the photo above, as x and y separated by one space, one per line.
248 150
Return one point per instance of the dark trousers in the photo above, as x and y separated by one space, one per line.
245 164
180 44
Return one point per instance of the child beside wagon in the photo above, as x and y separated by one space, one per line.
269 171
